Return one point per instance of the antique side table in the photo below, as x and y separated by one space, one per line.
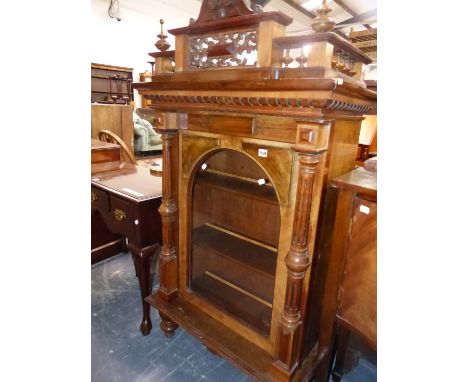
128 199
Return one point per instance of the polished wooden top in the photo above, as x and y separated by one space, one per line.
131 181
111 67
333 38
360 180
232 22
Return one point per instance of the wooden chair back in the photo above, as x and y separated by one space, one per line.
111 137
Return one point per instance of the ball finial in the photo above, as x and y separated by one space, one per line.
162 44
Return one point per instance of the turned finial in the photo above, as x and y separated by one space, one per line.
162 44
323 23
257 5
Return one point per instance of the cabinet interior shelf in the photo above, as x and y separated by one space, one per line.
237 185
235 273
233 301
238 177
259 256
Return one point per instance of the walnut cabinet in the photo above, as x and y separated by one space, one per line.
247 154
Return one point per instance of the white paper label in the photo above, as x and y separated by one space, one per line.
262 153
261 182
364 209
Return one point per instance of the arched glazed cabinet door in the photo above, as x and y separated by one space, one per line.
235 225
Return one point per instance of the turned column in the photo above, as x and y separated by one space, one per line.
297 261
168 268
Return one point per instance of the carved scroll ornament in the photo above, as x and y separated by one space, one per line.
237 48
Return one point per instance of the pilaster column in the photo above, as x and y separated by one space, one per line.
297 262
168 267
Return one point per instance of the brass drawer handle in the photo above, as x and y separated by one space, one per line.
119 214
94 197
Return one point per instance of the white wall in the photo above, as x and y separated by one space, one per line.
128 42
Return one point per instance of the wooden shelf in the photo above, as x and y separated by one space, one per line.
104 92
235 273
113 79
100 81
238 186
257 256
241 305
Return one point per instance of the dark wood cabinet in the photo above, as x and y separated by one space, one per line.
104 243
248 150
352 282
111 84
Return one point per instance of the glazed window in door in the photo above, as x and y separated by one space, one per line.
235 233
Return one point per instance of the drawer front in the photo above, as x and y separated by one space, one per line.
121 216
99 199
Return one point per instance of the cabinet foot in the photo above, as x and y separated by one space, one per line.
167 326
145 327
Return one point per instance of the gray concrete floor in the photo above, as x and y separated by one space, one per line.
121 354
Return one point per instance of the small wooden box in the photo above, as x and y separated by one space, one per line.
104 156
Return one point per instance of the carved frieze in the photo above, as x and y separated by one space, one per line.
223 49
266 102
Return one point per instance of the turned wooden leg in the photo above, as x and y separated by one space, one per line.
167 326
142 261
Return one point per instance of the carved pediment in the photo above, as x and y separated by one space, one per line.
219 9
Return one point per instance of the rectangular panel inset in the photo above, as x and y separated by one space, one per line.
275 128
221 124
314 135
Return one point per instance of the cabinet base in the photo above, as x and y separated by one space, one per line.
227 343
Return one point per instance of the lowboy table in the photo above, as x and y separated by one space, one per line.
128 199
